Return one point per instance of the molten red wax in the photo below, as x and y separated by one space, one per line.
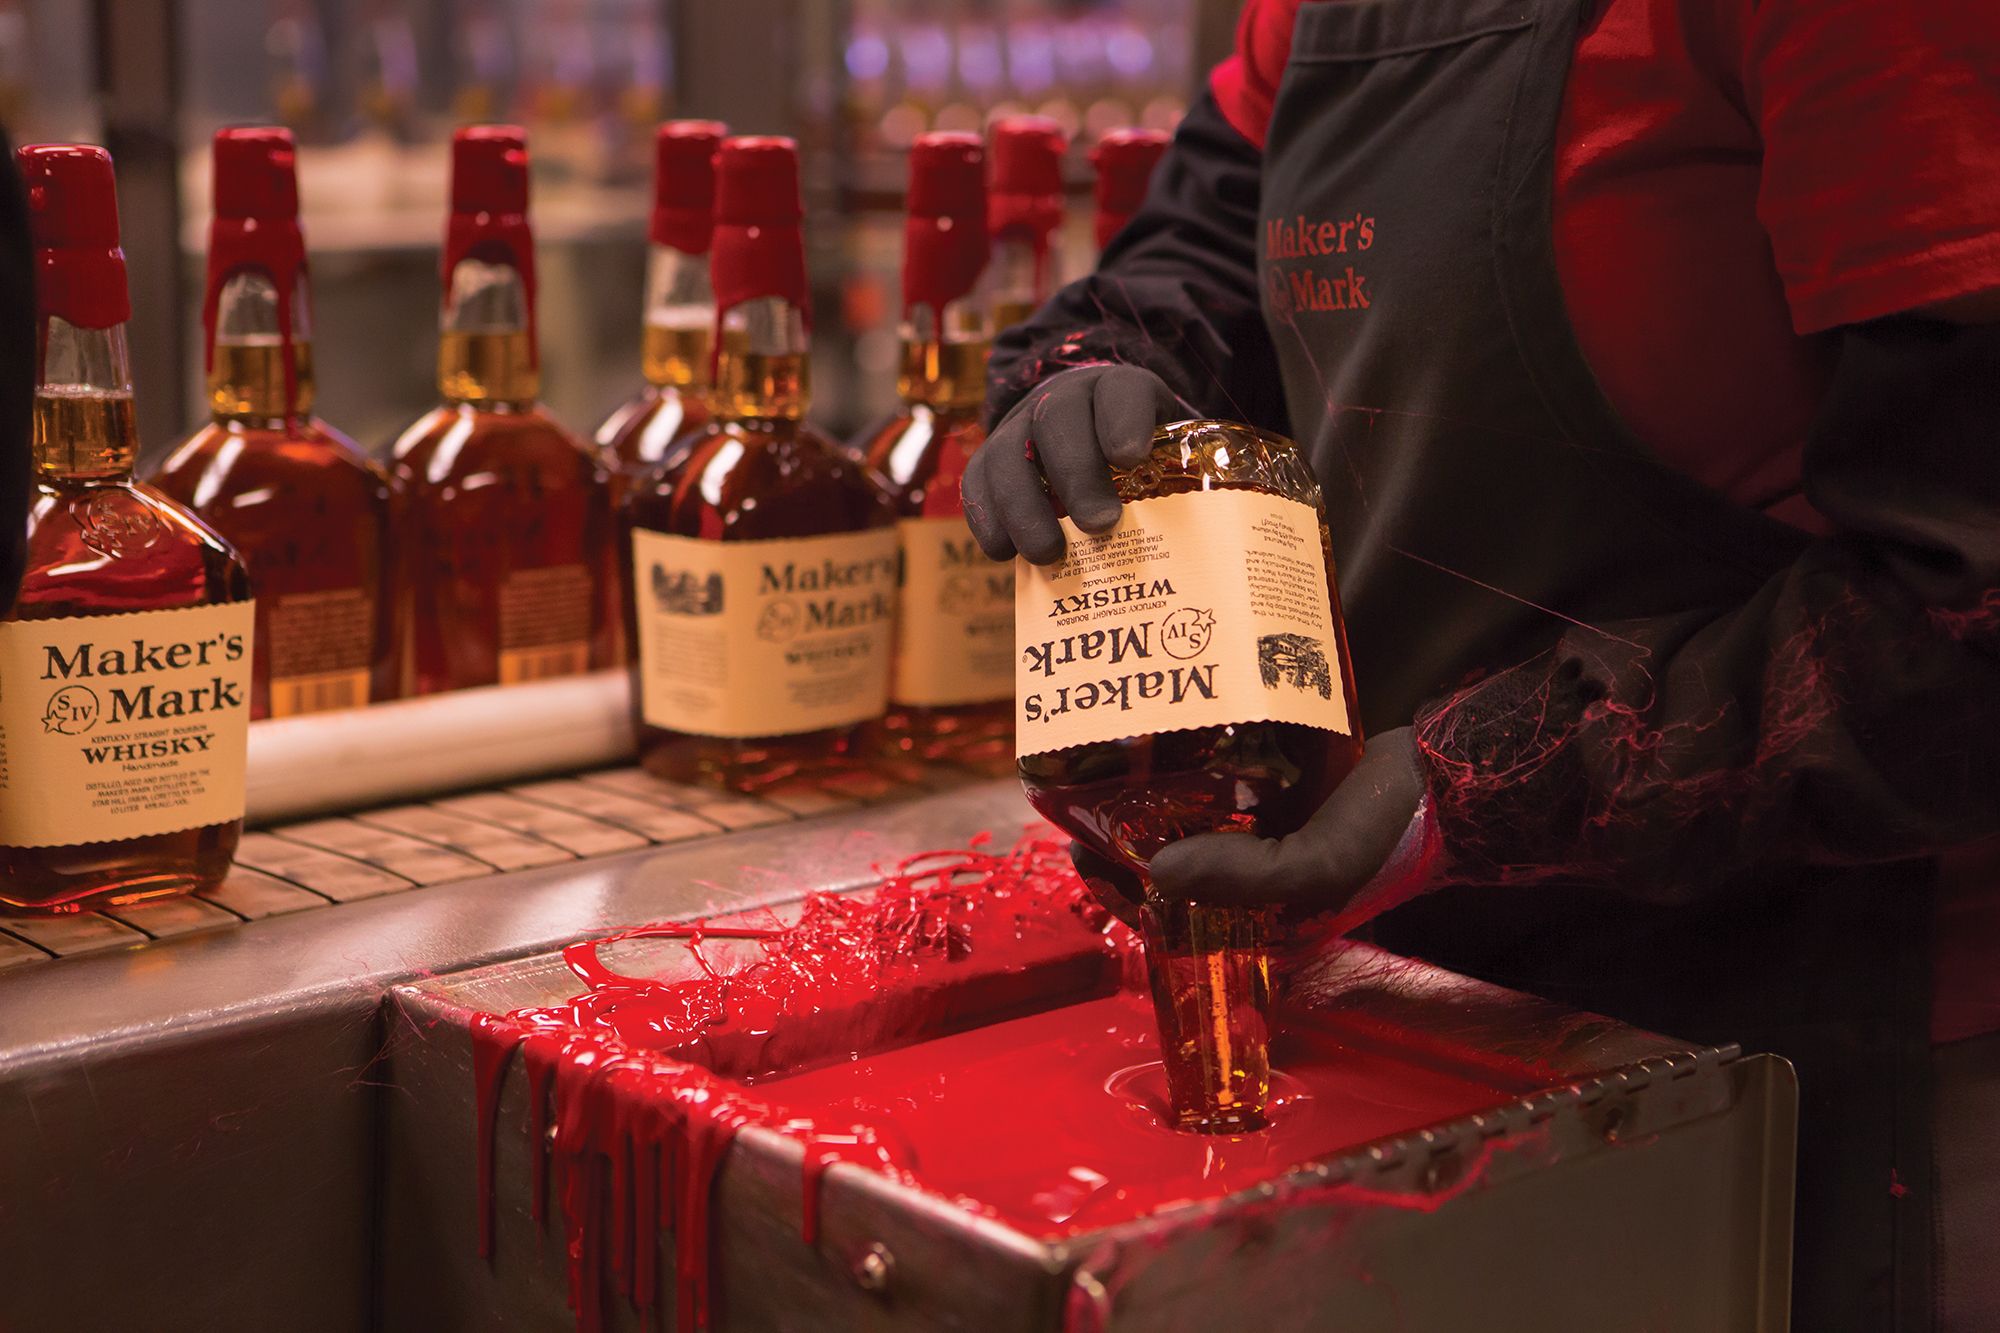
1058 1123
898 1031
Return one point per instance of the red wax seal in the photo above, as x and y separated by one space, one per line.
759 249
684 184
944 235
1124 160
1027 178
489 207
73 223
256 226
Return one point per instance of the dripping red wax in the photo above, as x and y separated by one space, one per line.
908 1031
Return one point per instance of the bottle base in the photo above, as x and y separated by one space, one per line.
977 736
751 764
86 877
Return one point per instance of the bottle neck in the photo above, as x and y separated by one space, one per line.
944 359
83 426
1021 276
247 372
762 369
680 320
486 354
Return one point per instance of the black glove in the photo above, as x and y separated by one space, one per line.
1369 848
1071 430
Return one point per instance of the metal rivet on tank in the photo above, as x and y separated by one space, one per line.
875 1267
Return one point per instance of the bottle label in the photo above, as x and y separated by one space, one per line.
764 638
546 616
1203 609
955 627
320 646
123 726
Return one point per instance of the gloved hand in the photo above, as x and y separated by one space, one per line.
1070 429
1369 848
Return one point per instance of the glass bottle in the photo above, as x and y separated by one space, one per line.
679 323
506 529
125 663
762 561
1025 211
951 693
1192 588
306 508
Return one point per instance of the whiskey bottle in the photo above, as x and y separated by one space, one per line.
952 687
306 508
762 561
125 663
679 321
1124 160
1026 209
1187 672
506 528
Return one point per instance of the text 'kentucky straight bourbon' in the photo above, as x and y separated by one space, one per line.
306 508
506 533
1187 672
125 665
951 694
762 560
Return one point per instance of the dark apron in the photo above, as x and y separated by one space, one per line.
1485 498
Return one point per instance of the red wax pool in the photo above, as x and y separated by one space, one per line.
1056 1123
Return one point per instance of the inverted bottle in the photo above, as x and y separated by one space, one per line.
762 560
506 529
306 508
124 720
1187 672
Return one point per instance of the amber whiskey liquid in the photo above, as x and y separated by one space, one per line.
952 695
1128 797
307 509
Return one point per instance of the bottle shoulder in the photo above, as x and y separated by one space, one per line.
225 460
455 439
752 479
920 453
122 546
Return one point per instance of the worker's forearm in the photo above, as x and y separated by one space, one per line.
1850 712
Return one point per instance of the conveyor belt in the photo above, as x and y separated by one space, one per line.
320 862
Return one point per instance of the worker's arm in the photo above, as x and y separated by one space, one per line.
1848 713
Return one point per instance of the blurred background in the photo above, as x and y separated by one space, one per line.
373 88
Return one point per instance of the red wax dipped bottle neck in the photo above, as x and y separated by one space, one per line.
1124 160
759 249
684 184
256 229
945 245
489 203
73 222
1027 177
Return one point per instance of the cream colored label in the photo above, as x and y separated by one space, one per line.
1197 610
764 638
955 626
122 726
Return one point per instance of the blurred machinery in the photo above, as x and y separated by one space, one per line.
372 88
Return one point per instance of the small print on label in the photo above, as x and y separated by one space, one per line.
1201 609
